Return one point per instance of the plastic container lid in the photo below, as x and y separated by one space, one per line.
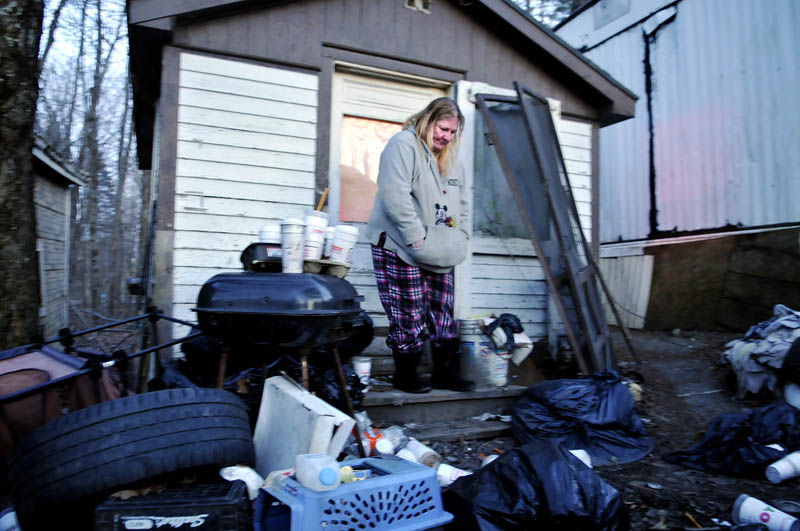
327 476
384 446
292 221
347 229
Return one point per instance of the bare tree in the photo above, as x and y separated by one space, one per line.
86 112
21 28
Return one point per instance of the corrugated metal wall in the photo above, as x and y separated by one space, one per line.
725 114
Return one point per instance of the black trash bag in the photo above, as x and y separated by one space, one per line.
538 486
173 375
735 444
596 414
510 324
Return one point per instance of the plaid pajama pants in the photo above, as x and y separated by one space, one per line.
413 298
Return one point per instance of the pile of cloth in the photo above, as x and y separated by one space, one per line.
758 357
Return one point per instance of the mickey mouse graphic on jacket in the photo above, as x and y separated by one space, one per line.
441 216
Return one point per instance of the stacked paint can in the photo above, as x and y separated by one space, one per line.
316 223
480 361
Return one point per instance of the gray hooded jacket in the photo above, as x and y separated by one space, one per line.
414 202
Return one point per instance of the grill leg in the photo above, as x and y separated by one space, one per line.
223 363
350 410
304 371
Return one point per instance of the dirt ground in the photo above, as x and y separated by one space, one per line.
684 387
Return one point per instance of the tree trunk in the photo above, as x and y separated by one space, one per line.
91 164
118 269
21 28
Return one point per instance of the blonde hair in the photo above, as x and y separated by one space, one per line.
423 123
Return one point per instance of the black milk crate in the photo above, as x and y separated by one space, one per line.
219 506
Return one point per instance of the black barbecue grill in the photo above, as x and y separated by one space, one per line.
297 312
288 310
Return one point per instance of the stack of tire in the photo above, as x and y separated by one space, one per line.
64 469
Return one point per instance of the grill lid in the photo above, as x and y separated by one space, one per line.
292 294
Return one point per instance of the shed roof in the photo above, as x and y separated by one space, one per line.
151 23
55 166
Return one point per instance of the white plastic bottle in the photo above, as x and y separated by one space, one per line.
425 455
317 471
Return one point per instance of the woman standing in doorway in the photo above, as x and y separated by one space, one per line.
419 229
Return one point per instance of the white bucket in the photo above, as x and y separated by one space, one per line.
292 230
344 239
363 367
784 468
316 222
271 235
312 248
749 510
479 360
329 235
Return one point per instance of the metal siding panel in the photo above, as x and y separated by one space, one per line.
624 193
726 118
727 125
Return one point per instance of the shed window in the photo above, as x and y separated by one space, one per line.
495 209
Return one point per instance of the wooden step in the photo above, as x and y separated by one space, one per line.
459 430
391 406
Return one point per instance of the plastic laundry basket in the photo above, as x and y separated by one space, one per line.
399 495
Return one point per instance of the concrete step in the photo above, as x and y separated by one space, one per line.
459 430
441 414
390 406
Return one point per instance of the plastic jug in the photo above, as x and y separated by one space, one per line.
317 471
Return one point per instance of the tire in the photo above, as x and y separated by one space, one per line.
86 455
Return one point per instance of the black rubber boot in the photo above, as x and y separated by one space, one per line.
446 367
405 373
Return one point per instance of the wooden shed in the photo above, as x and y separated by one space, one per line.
246 111
51 195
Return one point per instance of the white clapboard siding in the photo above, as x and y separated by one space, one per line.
228 171
576 148
246 105
214 240
244 70
502 283
51 201
628 279
246 147
247 122
362 277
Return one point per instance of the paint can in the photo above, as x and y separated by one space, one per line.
480 361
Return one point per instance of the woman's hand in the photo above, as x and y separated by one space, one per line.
417 244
